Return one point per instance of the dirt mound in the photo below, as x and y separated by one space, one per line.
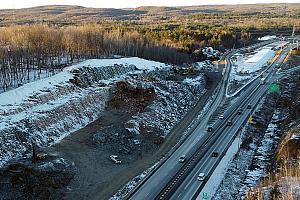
130 98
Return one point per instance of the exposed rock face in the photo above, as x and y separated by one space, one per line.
42 180
50 117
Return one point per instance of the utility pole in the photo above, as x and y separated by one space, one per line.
293 34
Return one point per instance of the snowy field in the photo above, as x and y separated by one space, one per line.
247 67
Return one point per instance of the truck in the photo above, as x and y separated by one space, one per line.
263 81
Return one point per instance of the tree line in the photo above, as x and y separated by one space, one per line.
29 52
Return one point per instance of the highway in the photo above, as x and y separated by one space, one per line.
191 187
174 180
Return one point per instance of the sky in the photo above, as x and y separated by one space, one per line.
6 4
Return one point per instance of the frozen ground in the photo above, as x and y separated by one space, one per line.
47 110
262 157
267 37
206 65
249 66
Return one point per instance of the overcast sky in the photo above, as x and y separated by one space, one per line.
128 3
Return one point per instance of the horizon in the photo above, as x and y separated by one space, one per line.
18 4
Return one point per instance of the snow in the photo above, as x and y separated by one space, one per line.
140 63
261 158
295 137
255 62
267 37
194 81
288 188
206 65
261 56
18 95
133 127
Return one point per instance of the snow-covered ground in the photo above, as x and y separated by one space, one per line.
262 159
140 64
47 110
247 67
288 188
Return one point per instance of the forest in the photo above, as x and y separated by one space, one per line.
30 51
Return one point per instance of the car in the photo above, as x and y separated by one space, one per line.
115 159
229 123
201 177
221 117
249 106
209 129
240 111
182 159
214 154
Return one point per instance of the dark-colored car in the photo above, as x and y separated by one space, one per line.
229 123
249 106
240 111
214 154
209 129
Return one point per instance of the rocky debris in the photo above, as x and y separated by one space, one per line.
42 180
174 99
130 98
55 114
135 112
133 127
153 103
87 76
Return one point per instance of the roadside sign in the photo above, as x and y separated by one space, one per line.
204 195
274 88
250 120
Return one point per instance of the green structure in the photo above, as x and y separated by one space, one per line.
274 88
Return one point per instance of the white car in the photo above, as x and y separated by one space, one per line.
182 159
221 117
115 159
201 177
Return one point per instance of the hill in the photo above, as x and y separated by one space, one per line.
67 14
